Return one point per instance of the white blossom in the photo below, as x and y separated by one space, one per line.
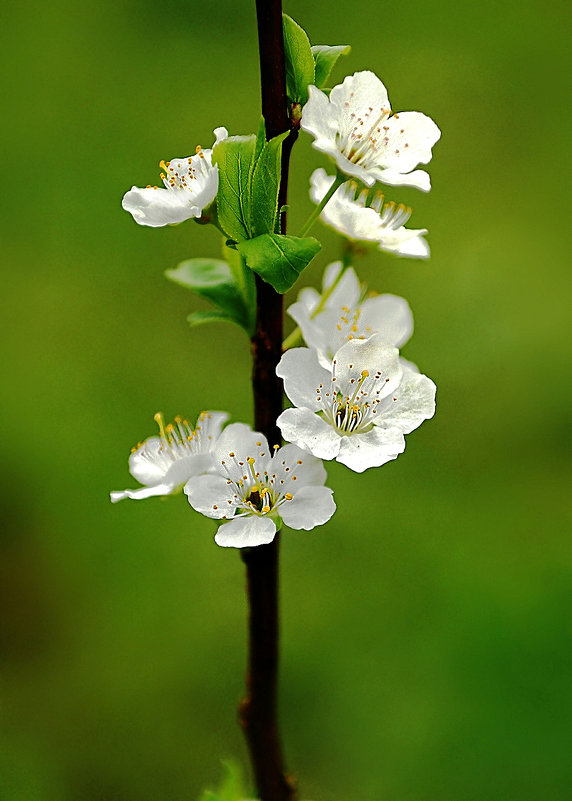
191 184
377 222
355 128
165 463
329 320
254 490
359 409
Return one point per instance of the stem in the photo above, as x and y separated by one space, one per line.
258 711
338 181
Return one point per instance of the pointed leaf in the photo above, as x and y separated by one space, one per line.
325 57
265 182
278 259
214 316
300 69
234 158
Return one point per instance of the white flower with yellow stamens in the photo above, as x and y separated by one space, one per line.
355 128
165 463
359 409
191 184
341 313
377 222
255 491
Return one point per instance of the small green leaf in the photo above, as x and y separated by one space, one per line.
300 69
211 316
245 281
234 158
215 280
265 182
278 259
325 57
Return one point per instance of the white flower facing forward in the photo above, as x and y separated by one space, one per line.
254 490
191 184
339 314
165 463
383 224
359 410
355 128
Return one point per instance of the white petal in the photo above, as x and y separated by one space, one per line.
301 372
411 136
308 469
246 532
361 94
310 432
143 492
373 355
188 466
389 316
158 207
320 182
148 464
406 242
240 440
371 449
310 507
410 404
211 496
220 134
419 179
318 117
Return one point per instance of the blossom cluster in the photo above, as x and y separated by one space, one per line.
354 397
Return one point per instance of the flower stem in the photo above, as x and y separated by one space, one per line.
258 711
338 181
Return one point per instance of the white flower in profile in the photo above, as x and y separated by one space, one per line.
191 184
355 128
329 320
359 409
377 222
255 490
165 463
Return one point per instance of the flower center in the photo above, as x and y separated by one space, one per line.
180 173
258 492
360 142
351 412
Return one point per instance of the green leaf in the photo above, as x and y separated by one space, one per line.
245 281
278 259
211 316
234 158
265 182
213 279
300 69
325 58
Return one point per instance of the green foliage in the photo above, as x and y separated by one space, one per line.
279 259
325 58
300 69
225 286
249 178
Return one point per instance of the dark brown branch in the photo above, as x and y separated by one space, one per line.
259 709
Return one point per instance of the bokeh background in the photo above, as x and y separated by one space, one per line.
426 628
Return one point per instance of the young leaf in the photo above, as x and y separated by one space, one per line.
234 158
325 58
214 280
278 259
212 316
265 182
245 281
300 69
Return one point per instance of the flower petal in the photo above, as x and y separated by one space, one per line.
158 207
410 404
310 507
371 449
310 432
246 532
419 179
308 469
409 137
148 464
389 316
358 97
318 117
211 495
406 242
143 492
373 355
302 373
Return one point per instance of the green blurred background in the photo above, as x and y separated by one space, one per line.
426 628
